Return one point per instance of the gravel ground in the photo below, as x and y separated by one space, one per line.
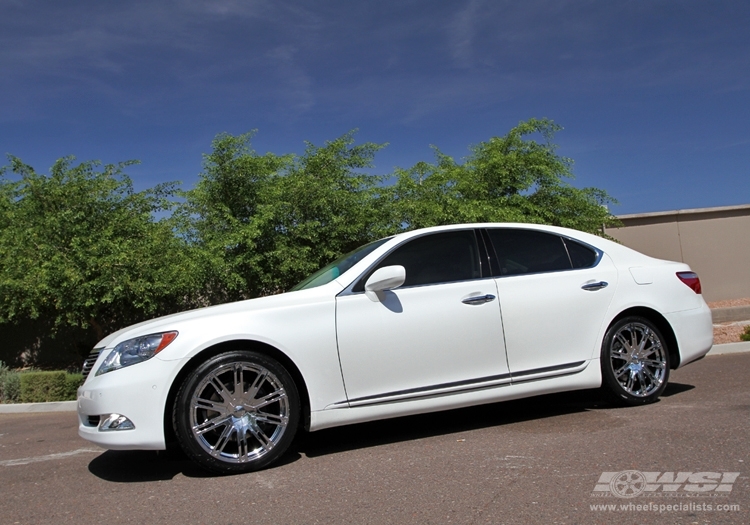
729 332
730 302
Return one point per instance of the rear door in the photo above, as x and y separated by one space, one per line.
554 293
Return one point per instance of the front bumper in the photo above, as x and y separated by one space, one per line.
138 392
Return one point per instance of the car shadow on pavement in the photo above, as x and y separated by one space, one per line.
676 388
363 435
137 466
140 466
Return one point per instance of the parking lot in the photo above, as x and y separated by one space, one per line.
543 460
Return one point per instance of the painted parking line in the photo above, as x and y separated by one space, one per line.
48 457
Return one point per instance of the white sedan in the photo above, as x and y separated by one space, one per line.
427 320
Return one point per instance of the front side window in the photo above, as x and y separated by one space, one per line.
332 271
436 258
528 251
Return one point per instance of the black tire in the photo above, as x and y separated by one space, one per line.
635 362
237 412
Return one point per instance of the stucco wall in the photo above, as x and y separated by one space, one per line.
715 242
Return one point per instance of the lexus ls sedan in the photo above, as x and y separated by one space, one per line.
427 320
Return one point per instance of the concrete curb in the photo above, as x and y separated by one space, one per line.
729 314
70 406
22 408
730 348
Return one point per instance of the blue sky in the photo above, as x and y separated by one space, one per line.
654 96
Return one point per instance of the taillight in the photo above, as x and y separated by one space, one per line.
691 279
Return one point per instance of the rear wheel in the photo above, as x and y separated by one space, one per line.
635 361
237 412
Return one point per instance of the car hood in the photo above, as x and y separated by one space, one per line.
172 322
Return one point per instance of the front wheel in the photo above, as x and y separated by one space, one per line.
635 362
237 412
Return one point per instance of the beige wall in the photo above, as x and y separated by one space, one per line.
715 242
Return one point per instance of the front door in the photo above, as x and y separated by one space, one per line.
439 332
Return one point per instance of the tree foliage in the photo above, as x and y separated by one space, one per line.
264 222
81 247
506 179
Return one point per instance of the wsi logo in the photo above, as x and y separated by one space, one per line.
631 483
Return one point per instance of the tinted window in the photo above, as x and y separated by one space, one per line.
581 256
333 270
528 251
437 258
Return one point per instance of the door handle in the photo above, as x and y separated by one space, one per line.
592 287
479 299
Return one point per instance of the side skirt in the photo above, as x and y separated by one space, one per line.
542 381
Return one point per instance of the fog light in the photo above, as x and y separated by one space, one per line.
115 422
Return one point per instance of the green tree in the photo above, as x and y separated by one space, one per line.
264 222
228 219
81 248
510 179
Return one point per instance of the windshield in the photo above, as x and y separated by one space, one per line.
339 266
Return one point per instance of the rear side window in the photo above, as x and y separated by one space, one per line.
528 251
581 256
437 258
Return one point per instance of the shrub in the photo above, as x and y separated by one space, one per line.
10 385
72 382
40 387
745 336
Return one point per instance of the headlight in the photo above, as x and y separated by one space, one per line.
135 351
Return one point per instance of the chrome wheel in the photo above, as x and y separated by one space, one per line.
638 359
237 412
635 361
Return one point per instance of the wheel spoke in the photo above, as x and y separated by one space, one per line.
265 443
633 338
629 383
214 406
218 448
651 376
642 381
243 449
653 363
220 388
212 424
623 370
623 342
645 337
252 392
273 397
238 385
273 419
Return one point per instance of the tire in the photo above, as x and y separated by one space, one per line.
635 362
237 412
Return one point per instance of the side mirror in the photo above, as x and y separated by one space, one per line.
385 278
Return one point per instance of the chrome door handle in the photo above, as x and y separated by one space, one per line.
592 287
479 299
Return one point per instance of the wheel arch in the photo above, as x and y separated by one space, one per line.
238 344
661 323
